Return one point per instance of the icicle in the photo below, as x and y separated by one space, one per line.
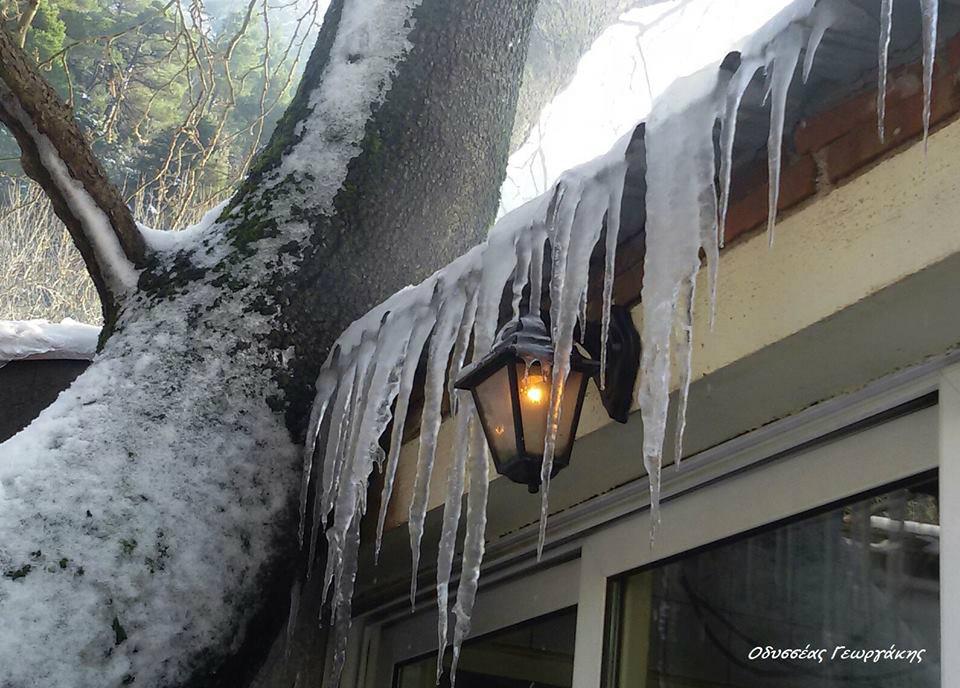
706 164
677 150
462 344
582 315
444 336
497 265
583 199
522 273
609 270
340 423
326 385
737 87
451 518
886 23
335 437
292 617
684 358
423 324
498 262
538 239
342 600
563 314
564 317
381 364
384 385
369 418
784 53
823 17
929 9
473 545
347 488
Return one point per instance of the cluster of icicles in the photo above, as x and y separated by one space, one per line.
367 381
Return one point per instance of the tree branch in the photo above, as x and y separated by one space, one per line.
26 19
55 153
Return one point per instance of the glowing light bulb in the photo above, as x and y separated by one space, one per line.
499 430
534 389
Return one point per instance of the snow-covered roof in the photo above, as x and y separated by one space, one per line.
35 339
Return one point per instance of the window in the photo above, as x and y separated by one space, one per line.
863 576
534 654
787 536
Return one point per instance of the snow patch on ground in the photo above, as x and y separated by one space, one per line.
21 339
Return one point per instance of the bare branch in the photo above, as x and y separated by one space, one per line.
55 153
26 19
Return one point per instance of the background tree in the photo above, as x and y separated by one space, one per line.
175 97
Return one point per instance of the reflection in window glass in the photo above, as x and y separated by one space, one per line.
536 654
861 578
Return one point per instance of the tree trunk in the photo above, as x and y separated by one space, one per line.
147 519
149 515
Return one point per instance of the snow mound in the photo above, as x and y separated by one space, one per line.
34 339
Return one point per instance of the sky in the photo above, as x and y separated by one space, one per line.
616 81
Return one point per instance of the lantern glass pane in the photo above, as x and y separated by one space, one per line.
565 434
493 397
534 394
535 402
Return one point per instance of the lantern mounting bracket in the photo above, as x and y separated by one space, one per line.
623 361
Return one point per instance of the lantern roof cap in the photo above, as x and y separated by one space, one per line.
525 338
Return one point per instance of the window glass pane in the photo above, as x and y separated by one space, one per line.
856 579
535 654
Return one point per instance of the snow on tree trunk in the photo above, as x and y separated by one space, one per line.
137 513
177 440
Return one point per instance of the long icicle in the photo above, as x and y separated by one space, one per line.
465 426
441 344
497 266
824 15
326 386
684 358
424 323
706 166
583 201
562 319
929 10
342 602
737 87
883 57
676 148
348 488
785 52
473 546
335 437
459 354
609 270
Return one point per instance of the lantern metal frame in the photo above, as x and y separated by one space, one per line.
524 341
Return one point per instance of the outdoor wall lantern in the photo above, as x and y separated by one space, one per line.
511 389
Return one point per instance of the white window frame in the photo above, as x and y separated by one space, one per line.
824 454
